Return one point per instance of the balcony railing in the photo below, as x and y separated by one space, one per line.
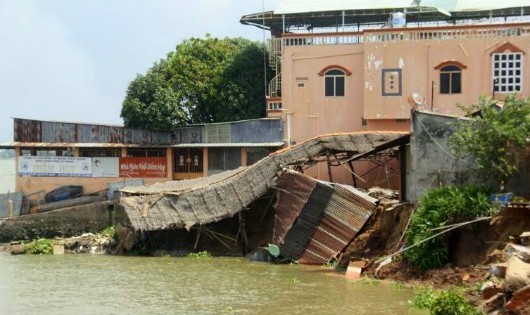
446 33
404 34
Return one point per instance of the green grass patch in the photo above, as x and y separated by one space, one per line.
203 254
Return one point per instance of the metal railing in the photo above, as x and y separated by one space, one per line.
401 34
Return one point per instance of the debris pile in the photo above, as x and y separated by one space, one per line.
507 290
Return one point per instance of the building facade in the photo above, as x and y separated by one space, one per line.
382 60
51 154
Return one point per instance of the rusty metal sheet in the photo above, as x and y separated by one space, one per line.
58 132
343 213
26 130
293 193
99 134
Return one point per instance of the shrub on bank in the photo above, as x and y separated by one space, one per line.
438 209
39 246
443 303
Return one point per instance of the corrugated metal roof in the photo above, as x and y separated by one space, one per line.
316 220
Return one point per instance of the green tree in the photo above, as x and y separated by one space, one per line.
496 138
151 103
202 81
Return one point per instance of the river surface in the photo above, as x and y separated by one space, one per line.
99 284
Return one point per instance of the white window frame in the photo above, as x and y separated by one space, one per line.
504 72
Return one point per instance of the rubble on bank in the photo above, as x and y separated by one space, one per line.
89 243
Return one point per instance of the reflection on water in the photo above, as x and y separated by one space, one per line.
85 284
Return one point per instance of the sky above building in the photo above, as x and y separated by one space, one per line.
72 60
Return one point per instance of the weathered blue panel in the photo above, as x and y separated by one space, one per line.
217 133
16 200
257 131
192 134
58 132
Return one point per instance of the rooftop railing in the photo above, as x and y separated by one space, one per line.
403 34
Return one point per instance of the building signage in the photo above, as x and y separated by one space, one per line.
105 167
143 167
54 166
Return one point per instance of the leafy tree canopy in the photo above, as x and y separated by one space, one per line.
202 81
496 138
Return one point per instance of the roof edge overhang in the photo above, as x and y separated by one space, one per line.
13 145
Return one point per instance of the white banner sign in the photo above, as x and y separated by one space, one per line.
105 167
54 166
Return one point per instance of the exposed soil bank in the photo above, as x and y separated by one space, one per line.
475 251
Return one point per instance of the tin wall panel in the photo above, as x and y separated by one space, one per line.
99 134
27 130
58 132
194 134
256 131
160 137
217 133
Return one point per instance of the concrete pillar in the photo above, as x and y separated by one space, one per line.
170 161
204 161
243 156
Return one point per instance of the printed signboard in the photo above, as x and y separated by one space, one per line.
54 166
105 167
143 167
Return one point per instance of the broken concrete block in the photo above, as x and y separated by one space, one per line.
499 270
493 303
520 301
490 289
517 274
58 249
355 268
522 252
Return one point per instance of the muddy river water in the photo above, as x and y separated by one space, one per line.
97 284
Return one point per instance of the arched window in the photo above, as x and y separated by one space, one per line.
451 80
334 82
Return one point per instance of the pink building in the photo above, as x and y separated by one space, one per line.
345 66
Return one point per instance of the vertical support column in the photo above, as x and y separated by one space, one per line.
169 163
18 184
350 164
76 152
204 162
328 159
243 156
123 152
402 173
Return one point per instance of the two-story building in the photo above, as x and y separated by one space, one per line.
345 66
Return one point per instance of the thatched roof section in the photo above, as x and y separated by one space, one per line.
210 199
